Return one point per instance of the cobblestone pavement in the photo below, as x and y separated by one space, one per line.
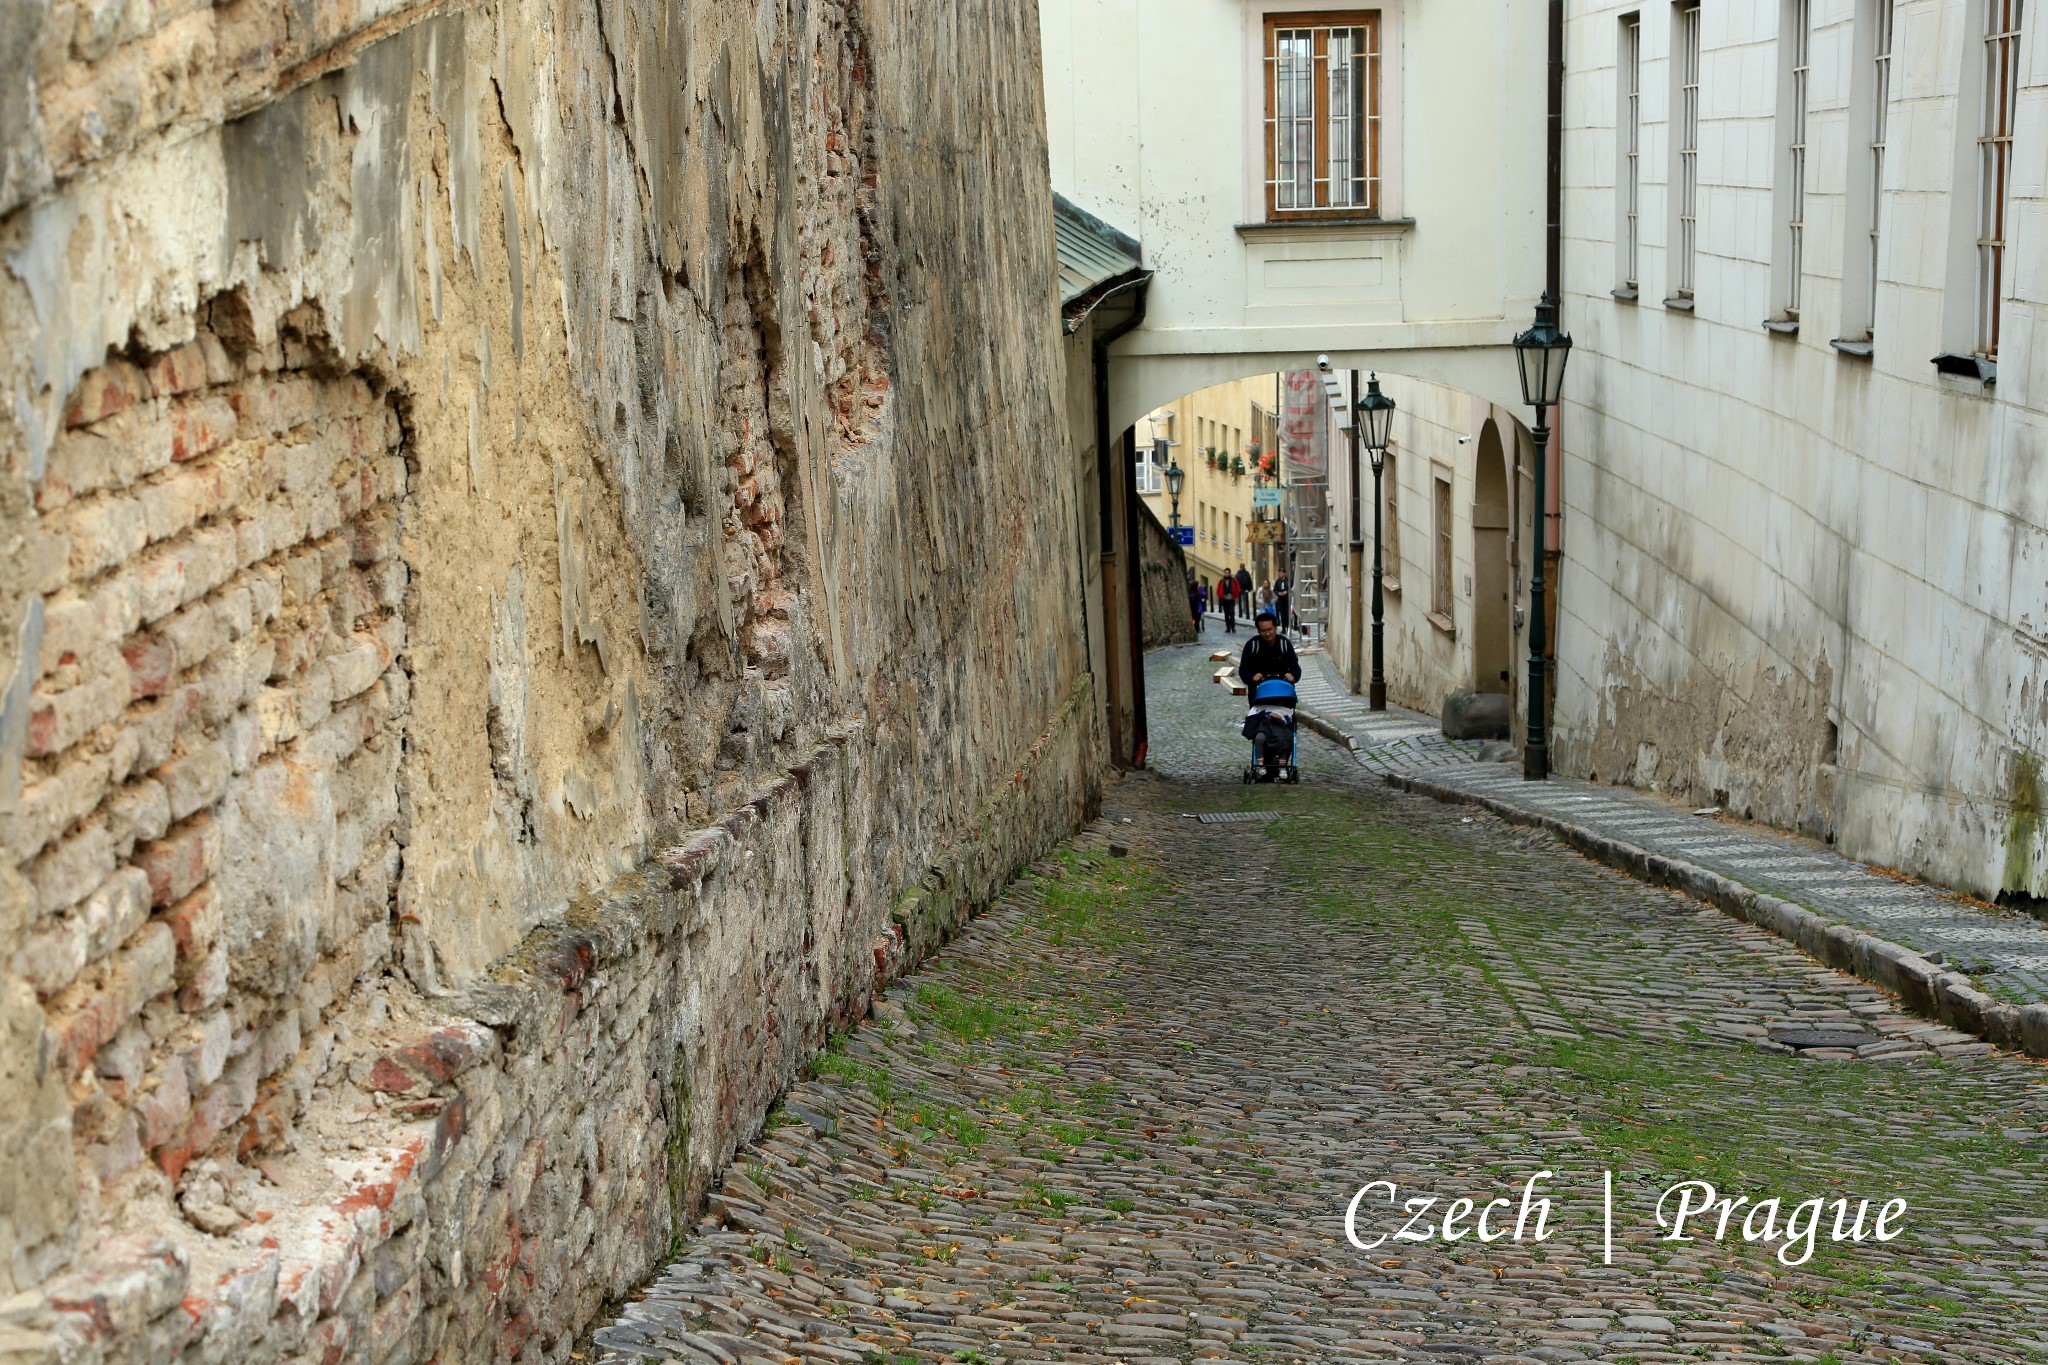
2006 951
1121 1117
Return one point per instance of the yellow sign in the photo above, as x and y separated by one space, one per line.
1265 532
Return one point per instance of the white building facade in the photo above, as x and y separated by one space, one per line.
1307 178
1806 422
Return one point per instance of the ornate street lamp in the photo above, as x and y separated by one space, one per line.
1175 477
1541 352
1376 420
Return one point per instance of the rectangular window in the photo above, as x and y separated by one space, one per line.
1152 467
1322 115
1994 163
1880 115
1440 581
1869 112
1628 140
1793 47
1685 150
1390 523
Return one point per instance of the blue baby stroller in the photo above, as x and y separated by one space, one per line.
1269 725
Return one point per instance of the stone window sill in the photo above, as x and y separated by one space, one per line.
1389 583
1856 348
1626 294
1348 227
1784 327
1442 623
1679 305
1967 367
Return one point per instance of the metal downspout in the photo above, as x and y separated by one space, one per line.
1105 493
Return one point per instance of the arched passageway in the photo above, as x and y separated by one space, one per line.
1492 583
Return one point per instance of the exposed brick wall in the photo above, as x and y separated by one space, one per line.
526 616
207 816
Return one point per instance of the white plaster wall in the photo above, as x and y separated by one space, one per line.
1436 428
1766 535
1153 110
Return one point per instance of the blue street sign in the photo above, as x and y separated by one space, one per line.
1185 535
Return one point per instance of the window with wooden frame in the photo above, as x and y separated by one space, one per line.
1322 115
1994 163
1390 520
1440 580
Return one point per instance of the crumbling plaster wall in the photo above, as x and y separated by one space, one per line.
520 611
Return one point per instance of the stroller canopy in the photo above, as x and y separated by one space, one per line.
1273 692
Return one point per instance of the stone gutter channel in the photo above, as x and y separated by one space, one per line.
1930 988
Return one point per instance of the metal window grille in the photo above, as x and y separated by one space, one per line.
1631 81
1322 115
1688 145
1994 165
1795 154
1880 117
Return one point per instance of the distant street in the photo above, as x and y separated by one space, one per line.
1122 1116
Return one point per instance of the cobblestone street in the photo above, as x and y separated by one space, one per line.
1122 1115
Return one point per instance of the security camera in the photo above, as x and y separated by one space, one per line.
1464 440
1323 363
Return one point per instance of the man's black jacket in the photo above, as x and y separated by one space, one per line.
1271 658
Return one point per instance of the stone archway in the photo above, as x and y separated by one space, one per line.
1492 629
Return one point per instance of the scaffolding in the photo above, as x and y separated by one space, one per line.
1306 511
1305 503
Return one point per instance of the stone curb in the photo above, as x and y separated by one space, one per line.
1326 728
1928 990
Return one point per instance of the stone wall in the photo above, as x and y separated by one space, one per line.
512 631
1163 588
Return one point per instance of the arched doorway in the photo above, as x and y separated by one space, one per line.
1492 633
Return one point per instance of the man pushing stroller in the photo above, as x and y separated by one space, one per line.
1270 669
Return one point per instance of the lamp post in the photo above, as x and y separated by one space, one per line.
1541 353
1376 412
1175 477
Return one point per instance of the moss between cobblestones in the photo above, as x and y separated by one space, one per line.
1177 1098
1753 1123
1085 899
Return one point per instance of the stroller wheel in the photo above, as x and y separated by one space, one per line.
1247 777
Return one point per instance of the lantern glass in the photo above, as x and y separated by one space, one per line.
1541 353
1175 477
1376 417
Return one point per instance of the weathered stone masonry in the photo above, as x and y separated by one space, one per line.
518 614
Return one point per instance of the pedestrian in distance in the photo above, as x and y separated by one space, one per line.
1266 598
1244 588
1226 597
1195 604
1283 592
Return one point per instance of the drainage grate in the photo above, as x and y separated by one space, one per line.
1803 1038
1237 817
